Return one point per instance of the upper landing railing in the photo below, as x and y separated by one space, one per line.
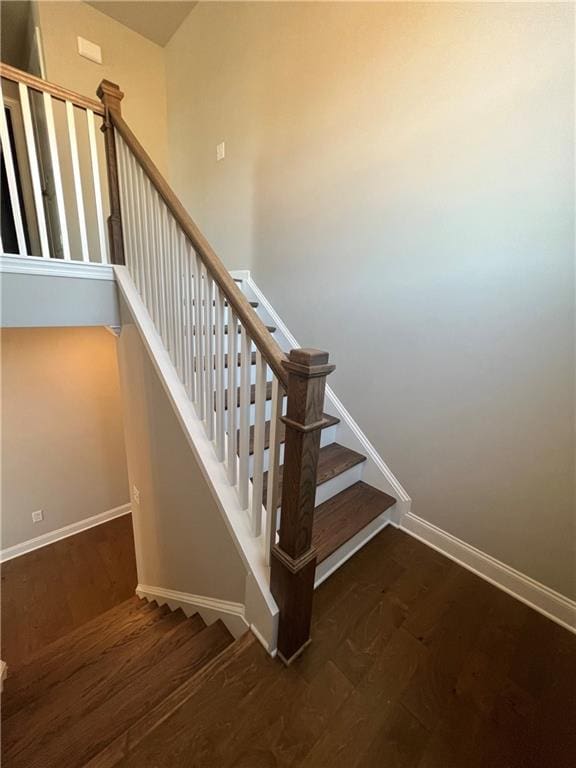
54 168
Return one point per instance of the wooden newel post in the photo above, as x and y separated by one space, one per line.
293 561
110 95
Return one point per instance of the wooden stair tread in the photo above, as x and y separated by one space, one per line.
252 395
86 638
80 653
333 460
330 421
253 304
344 515
94 683
227 664
174 660
219 697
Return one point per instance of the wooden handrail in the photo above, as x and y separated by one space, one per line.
62 94
255 328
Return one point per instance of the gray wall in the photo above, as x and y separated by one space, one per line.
62 438
399 177
30 300
181 540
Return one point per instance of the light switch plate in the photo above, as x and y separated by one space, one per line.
220 151
89 50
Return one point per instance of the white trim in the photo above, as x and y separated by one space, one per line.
374 458
210 608
36 265
546 601
262 640
62 533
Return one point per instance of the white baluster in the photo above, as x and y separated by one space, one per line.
190 308
11 178
273 470
97 185
259 428
73 140
219 374
125 204
53 146
208 355
232 387
137 227
244 451
198 336
34 170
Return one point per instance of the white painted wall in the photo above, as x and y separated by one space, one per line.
182 542
62 437
399 179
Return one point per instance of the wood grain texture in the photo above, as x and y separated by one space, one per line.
111 96
293 559
75 721
414 663
345 514
49 592
378 626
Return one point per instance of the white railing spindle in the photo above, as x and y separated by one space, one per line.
273 470
11 178
219 374
34 170
73 142
59 189
244 448
233 387
97 185
259 428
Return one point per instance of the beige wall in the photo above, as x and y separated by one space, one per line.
181 540
62 439
132 61
399 177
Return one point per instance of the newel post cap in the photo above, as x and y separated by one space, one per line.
110 95
308 363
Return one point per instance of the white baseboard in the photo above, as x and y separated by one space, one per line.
62 533
546 601
210 608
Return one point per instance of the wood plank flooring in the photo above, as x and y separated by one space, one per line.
51 591
415 663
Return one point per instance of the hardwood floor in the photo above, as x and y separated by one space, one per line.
415 663
51 591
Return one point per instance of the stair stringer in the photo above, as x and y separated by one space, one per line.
260 609
375 470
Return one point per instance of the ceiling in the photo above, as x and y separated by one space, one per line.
155 19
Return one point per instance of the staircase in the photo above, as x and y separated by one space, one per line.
297 483
82 700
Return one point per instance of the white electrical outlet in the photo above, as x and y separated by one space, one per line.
37 516
221 151
135 495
